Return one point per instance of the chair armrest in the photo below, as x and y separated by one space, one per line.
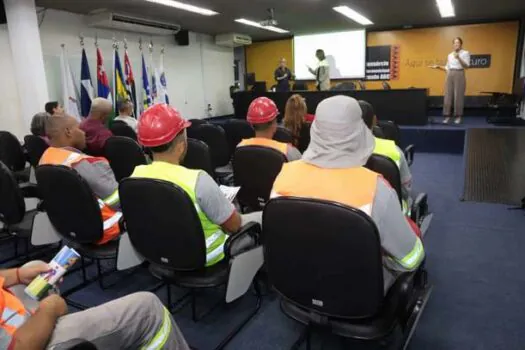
251 229
409 154
419 208
29 190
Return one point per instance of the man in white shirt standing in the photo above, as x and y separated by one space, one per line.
125 112
455 84
322 72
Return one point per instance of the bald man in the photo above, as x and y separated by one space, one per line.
95 126
282 76
66 139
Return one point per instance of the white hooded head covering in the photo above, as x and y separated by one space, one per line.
339 137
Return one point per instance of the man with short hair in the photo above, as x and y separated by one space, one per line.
163 130
282 76
332 169
136 321
54 108
262 115
66 140
389 149
95 126
125 112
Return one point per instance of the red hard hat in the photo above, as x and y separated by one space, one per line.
159 124
262 110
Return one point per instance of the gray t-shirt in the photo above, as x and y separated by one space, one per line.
211 199
292 153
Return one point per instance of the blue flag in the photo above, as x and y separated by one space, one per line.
86 87
146 93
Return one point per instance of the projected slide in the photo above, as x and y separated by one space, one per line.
345 53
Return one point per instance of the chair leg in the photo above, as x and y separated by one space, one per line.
193 306
241 325
305 336
100 275
168 289
84 275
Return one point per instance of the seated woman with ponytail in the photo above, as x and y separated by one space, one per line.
296 120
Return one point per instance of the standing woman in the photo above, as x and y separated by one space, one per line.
455 83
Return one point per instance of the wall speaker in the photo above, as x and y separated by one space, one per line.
182 38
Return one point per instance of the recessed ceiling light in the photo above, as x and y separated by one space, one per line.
185 7
353 15
255 24
446 9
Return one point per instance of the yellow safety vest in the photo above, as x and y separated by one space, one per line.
187 180
264 142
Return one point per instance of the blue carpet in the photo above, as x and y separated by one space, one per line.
475 260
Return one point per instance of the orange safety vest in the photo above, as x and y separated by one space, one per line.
13 312
355 187
264 142
110 217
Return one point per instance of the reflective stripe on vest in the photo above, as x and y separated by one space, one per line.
187 180
160 338
12 310
110 217
388 149
264 142
359 184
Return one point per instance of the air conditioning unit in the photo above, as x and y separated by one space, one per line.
115 21
232 40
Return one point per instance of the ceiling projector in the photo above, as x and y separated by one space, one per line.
270 20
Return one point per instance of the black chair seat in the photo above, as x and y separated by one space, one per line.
376 327
106 251
212 276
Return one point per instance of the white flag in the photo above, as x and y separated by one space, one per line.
163 86
69 90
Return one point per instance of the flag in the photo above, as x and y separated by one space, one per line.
102 78
163 93
121 94
154 82
69 91
86 88
146 94
130 81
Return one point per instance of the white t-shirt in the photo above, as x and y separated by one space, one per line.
453 62
132 122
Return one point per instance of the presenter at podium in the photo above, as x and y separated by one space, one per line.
455 83
322 72
283 75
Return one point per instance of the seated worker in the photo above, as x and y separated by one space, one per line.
262 115
125 112
341 144
388 148
162 129
136 321
295 114
66 140
38 125
54 108
94 126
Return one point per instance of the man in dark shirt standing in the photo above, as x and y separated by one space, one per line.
283 76
94 126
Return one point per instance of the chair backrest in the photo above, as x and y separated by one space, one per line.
237 130
198 157
390 130
215 138
378 132
120 128
388 168
304 139
255 169
283 135
35 146
197 122
12 206
11 151
70 204
123 155
168 233
344 86
323 256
